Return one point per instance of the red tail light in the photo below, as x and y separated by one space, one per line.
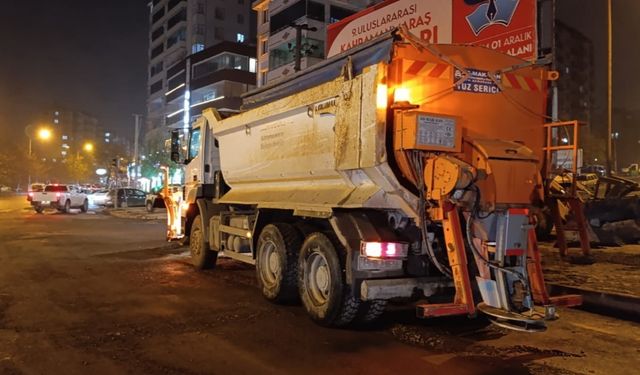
384 249
58 195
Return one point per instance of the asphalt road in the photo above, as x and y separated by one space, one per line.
96 294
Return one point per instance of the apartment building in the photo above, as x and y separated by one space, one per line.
278 23
180 28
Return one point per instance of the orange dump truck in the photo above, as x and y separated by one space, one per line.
398 170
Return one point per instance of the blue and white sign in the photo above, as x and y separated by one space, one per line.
477 82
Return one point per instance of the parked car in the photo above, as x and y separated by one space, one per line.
99 198
126 197
156 200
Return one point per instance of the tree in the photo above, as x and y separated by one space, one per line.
78 168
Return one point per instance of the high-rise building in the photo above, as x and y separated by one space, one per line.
278 23
179 28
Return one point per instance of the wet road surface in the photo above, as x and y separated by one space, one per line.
95 294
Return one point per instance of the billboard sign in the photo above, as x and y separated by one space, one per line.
505 25
431 20
508 26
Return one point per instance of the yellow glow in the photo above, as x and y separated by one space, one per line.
401 94
88 147
381 96
44 134
185 206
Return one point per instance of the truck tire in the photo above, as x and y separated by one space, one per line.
85 206
39 209
201 257
370 311
67 207
277 262
323 292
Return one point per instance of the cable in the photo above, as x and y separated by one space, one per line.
417 163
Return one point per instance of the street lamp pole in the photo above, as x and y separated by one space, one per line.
609 89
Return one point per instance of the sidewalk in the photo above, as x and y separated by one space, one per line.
136 213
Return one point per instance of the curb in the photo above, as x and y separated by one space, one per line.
622 306
135 215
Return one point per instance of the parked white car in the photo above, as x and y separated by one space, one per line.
61 197
99 198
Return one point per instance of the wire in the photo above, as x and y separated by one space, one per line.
417 164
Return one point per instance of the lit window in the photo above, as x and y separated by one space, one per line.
240 38
197 47
106 140
56 113
65 137
252 65
107 134
55 121
64 145
64 153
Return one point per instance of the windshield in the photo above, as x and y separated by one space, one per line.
55 188
194 143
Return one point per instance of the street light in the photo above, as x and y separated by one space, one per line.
43 134
88 147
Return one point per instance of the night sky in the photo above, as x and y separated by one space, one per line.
90 56
83 55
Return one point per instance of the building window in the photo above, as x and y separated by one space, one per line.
107 134
337 13
252 65
264 16
240 38
264 46
219 13
240 1
65 137
200 8
240 19
55 121
199 29
263 78
56 113
285 53
197 47
178 36
218 33
157 86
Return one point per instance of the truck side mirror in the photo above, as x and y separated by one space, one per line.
175 146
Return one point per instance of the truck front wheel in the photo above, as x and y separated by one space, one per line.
323 292
277 262
201 257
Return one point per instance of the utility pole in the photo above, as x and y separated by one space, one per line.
136 139
298 47
609 88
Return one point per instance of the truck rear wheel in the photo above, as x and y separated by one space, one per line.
277 262
85 206
201 257
370 311
67 207
323 292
